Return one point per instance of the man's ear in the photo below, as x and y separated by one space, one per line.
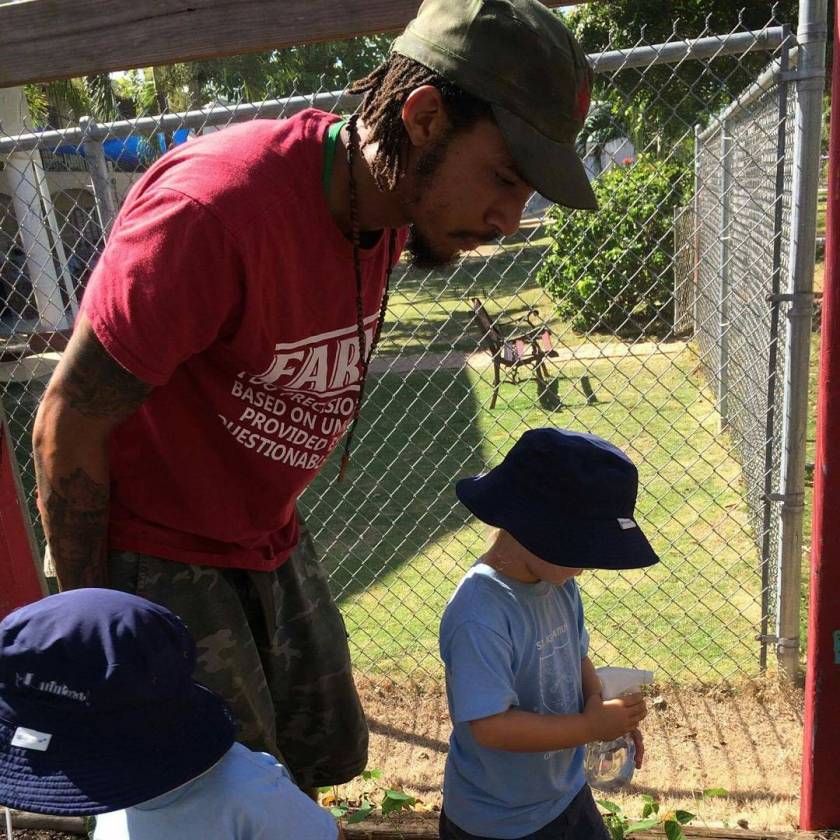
424 116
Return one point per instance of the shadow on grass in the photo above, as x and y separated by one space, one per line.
435 331
416 436
407 737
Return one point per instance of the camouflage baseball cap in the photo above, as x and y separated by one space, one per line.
519 57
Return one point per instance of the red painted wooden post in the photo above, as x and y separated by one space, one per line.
820 803
21 577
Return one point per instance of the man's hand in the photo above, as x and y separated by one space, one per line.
610 719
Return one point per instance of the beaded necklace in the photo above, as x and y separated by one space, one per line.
352 152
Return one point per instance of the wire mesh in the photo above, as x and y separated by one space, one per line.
748 310
393 536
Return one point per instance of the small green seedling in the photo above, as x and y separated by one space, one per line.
393 801
620 826
396 800
364 810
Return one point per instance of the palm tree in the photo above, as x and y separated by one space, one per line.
602 126
65 101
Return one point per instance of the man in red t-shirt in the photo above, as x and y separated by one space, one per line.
223 342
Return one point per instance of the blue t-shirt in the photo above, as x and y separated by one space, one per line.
244 796
510 644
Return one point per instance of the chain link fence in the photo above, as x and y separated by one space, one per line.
392 535
743 203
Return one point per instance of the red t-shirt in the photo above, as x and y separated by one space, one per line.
227 285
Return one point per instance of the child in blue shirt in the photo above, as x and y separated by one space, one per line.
99 715
523 694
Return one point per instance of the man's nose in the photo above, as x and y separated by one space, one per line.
506 215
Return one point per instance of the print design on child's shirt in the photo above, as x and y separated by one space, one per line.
558 689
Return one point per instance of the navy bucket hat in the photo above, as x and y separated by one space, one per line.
568 497
98 708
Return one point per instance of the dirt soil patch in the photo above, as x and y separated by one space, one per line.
744 737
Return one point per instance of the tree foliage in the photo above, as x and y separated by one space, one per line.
278 73
612 269
660 105
251 77
67 100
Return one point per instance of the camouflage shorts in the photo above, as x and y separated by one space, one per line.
274 645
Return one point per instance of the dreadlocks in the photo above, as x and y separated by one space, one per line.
386 90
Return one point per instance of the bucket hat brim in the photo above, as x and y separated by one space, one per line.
575 543
551 167
83 773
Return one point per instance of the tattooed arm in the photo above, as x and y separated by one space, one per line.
88 396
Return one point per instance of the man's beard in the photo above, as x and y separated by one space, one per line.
422 254
419 249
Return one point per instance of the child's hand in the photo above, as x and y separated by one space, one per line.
610 719
639 744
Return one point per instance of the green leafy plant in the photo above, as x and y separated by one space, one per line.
612 270
620 825
393 801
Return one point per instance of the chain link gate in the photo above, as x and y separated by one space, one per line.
392 534
742 204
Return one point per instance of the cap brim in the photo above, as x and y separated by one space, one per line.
576 543
552 168
81 775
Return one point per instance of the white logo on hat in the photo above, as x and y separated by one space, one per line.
51 687
31 739
626 524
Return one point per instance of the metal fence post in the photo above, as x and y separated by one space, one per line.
695 232
100 177
723 311
58 244
809 80
21 180
772 372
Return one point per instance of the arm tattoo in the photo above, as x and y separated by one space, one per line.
97 386
76 510
73 482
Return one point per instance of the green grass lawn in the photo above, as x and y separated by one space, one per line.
431 312
396 541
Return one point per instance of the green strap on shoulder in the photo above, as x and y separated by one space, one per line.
330 144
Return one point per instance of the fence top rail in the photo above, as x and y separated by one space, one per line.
200 118
769 78
672 52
